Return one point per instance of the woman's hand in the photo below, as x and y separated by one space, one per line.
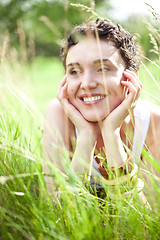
87 133
133 88
110 126
83 126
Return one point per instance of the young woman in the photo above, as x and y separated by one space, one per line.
98 105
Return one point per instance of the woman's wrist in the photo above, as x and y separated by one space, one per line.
108 130
82 158
115 152
87 137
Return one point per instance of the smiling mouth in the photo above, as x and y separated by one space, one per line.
92 99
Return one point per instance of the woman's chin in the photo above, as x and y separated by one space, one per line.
94 118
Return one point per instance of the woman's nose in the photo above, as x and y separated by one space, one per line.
88 81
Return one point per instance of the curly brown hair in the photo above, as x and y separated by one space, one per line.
109 31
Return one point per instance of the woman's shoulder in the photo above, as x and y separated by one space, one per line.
54 109
146 108
154 110
54 104
154 125
55 116
155 117
147 115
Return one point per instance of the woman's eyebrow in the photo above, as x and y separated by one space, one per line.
102 61
73 64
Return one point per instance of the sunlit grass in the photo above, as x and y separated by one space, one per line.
150 78
27 210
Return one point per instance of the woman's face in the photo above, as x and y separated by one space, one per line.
94 72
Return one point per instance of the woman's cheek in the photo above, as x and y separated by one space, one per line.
117 84
70 87
72 90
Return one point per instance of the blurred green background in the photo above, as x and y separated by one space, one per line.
40 25
31 33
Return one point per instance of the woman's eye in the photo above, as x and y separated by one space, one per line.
103 69
74 72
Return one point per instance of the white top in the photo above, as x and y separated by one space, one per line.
142 120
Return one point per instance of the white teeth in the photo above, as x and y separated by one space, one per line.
91 99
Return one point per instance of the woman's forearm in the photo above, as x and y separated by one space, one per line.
115 151
83 155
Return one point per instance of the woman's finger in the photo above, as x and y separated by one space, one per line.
64 80
133 95
133 83
69 109
63 92
133 77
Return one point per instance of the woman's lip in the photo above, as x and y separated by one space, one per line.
91 95
90 100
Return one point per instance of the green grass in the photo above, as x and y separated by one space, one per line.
150 77
27 210
45 75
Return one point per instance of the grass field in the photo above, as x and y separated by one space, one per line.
27 211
